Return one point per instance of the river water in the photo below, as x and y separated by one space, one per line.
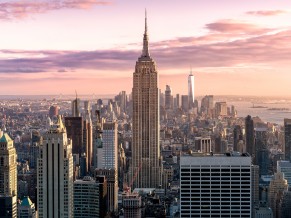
245 108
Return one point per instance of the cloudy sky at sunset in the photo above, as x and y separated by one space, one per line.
56 46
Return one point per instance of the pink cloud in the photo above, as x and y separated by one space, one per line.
238 27
266 13
20 9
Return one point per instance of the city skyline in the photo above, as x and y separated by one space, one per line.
233 47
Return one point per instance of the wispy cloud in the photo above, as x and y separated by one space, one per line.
233 26
19 9
266 13
270 49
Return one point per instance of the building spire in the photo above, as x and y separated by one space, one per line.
191 71
145 49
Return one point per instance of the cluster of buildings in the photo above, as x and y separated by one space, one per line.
147 154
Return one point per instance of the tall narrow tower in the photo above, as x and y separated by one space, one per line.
191 90
55 174
146 161
8 177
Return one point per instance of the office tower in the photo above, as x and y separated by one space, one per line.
102 182
250 137
178 100
112 188
287 147
220 109
98 142
162 99
168 98
76 107
185 103
237 137
74 127
207 104
86 198
53 111
131 203
262 152
107 163
255 186
26 209
191 96
215 186
88 137
55 174
285 167
276 188
146 165
8 174
36 140
123 101
110 146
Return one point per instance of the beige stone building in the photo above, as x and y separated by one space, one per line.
145 170
8 174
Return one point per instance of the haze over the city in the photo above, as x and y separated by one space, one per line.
233 47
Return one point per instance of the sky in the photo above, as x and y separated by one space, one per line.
234 47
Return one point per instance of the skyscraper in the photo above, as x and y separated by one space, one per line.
146 161
287 148
86 198
168 98
74 127
191 95
276 189
215 186
55 174
250 135
8 176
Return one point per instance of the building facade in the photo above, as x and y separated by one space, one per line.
8 175
55 174
215 186
86 198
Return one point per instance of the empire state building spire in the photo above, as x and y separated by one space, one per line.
145 49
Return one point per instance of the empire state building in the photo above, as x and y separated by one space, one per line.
145 171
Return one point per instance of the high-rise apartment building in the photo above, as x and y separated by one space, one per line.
146 167
8 176
55 174
287 148
215 186
191 90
